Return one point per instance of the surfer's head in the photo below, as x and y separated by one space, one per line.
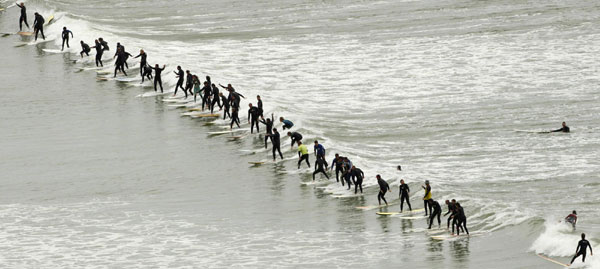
582 235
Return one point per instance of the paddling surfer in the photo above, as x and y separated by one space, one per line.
563 129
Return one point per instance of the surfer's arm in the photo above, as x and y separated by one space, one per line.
137 56
71 34
557 130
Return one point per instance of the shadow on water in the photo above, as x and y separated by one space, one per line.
460 250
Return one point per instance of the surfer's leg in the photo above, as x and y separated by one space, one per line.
279 150
382 196
42 31
431 216
464 224
379 197
425 206
439 214
575 257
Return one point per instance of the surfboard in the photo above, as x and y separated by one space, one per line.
125 79
206 116
236 137
49 21
414 217
221 132
25 33
102 79
400 213
370 207
103 72
256 163
1 9
552 260
455 237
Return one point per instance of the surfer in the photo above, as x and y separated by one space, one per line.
582 249
355 173
338 161
275 140
453 211
404 193
206 90
287 124
225 106
85 48
189 82
320 166
157 78
383 188
65 37
427 197
259 104
142 62
347 166
38 25
99 52
234 118
23 17
253 118
269 125
179 74
302 154
196 82
572 219
296 138
215 98
121 58
147 72
124 60
461 219
564 128
104 44
319 150
437 211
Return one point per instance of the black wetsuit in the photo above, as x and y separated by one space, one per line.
104 45
189 83
437 211
275 140
338 162
582 249
124 60
359 175
225 107
157 78
142 63
99 52
85 48
253 118
65 38
296 137
147 72
403 192
207 89
383 188
346 173
452 211
320 166
215 99
461 220
260 108
269 126
180 75
121 58
23 18
234 118
38 25
565 129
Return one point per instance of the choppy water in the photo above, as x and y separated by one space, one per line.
454 91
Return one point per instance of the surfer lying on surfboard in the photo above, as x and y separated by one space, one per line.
564 128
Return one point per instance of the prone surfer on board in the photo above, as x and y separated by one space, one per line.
23 17
563 129
582 249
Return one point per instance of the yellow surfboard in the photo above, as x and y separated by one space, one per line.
25 33
50 19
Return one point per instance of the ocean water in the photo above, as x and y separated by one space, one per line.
107 174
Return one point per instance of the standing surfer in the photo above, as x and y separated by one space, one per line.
427 197
65 37
142 62
302 154
276 141
38 25
85 48
582 249
157 78
99 51
179 74
384 187
253 118
404 195
23 17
